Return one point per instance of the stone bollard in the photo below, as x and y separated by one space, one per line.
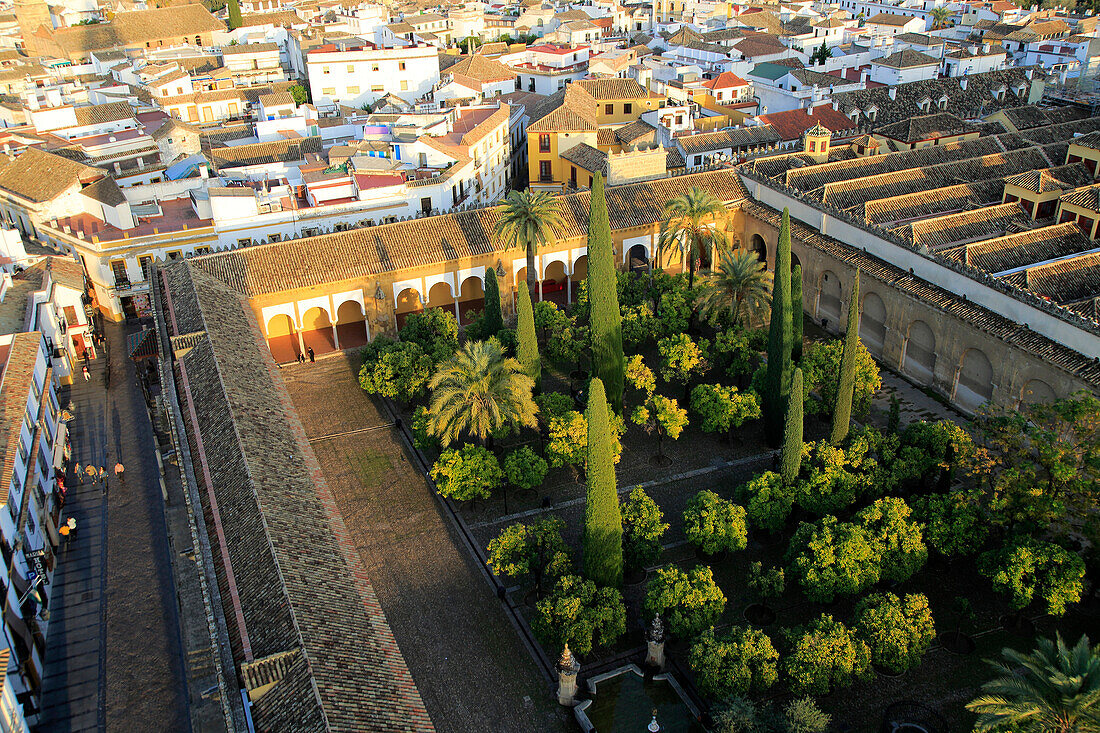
655 644
568 667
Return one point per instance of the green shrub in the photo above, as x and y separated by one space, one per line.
524 468
768 583
714 524
1028 570
435 330
831 558
954 524
770 501
740 660
898 631
467 473
825 656
399 370
897 540
690 601
536 552
642 530
578 613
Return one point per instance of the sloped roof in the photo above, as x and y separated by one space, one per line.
563 112
481 69
40 176
137 27
105 191
725 80
906 59
926 127
275 151
605 89
890 19
791 124
587 157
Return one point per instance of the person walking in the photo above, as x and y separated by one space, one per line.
118 470
71 524
103 476
64 531
312 357
79 473
90 471
87 374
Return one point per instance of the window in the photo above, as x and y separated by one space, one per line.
202 251
324 70
628 108
274 237
404 85
813 146
401 66
609 109
145 262
545 173
353 91
377 88
244 242
544 143
351 68
175 254
328 91
118 267
374 67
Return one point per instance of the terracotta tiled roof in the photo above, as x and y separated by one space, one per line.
277 18
448 238
284 151
481 69
736 138
934 202
926 127
40 176
939 232
966 311
605 89
906 59
725 80
105 191
66 271
564 111
586 157
889 19
136 28
1069 280
1087 197
791 124
99 113
18 379
1060 178
1001 254
301 613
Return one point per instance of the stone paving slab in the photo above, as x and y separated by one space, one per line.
466 659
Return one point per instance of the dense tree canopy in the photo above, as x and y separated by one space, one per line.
733 663
690 601
578 613
897 630
826 656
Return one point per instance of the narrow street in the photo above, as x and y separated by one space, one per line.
113 658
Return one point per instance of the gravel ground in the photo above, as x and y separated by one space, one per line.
465 657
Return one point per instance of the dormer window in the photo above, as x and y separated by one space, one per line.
925 104
999 93
943 102
854 115
872 113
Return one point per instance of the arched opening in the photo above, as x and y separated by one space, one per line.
351 325
920 353
872 324
760 247
795 262
553 285
975 382
408 302
440 296
317 331
580 273
828 303
471 299
637 260
521 277
282 338
1036 391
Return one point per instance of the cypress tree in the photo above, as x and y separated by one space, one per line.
235 20
603 520
527 350
791 459
494 316
796 314
846 384
606 318
777 384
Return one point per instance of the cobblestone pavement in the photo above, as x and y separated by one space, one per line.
466 659
116 640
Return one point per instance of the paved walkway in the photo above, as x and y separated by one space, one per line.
113 660
465 657
72 689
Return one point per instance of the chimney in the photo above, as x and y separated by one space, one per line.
810 110
893 92
864 75
1029 73
962 83
985 48
836 105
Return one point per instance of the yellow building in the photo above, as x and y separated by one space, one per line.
585 112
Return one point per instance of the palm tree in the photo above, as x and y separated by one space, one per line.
529 220
1054 690
940 16
684 228
477 391
741 284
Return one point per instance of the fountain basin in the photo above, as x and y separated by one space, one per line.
623 701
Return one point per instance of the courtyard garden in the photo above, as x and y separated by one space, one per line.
675 446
